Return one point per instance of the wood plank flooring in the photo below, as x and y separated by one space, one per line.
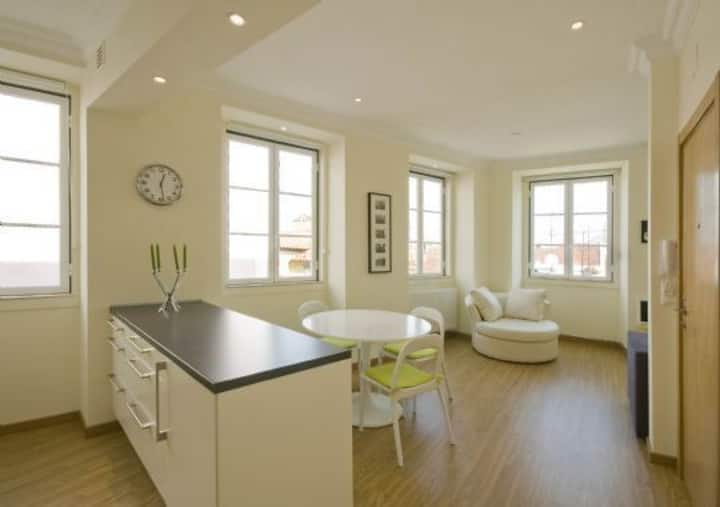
545 435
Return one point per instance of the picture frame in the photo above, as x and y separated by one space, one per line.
379 233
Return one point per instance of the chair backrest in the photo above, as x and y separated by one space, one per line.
431 341
311 307
433 316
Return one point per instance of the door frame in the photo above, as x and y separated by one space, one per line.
712 97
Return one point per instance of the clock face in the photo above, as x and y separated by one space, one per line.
159 184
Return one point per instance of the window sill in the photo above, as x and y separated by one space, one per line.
415 280
576 284
39 302
273 288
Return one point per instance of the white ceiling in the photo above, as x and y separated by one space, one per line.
466 74
66 30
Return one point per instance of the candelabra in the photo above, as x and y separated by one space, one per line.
170 301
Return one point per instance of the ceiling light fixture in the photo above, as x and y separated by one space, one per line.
358 99
159 79
236 19
283 128
577 25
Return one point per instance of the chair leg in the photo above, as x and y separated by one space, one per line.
362 404
398 443
447 415
447 381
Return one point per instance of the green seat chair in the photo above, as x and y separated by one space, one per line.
436 320
313 306
401 380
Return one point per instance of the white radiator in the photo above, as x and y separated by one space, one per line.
444 300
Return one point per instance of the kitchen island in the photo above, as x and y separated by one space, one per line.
227 410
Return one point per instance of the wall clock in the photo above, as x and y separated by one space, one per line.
159 184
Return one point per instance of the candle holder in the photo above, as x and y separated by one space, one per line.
169 302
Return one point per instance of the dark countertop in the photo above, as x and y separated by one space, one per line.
223 349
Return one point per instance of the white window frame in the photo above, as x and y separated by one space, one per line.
273 145
63 101
424 174
569 237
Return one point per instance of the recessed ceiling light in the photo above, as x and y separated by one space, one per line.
577 25
236 19
159 79
515 133
358 99
283 128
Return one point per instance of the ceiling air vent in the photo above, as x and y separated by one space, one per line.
100 55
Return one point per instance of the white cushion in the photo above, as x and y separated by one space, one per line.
487 303
527 304
519 330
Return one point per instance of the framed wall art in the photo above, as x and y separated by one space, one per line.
379 233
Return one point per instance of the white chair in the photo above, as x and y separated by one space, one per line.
400 380
515 340
313 306
437 321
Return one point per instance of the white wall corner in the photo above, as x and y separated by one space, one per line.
679 17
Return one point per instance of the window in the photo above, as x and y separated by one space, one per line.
272 211
571 228
34 192
426 219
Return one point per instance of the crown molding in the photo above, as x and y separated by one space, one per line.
40 42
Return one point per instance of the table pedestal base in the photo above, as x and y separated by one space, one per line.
377 410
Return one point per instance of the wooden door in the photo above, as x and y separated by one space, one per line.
699 320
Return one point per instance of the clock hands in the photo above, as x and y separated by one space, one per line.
162 190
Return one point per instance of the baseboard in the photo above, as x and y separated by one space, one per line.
602 343
662 459
457 334
101 429
42 422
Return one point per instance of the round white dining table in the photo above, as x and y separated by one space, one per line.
368 327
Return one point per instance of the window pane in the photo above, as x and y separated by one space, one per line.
412 191
432 226
432 258
590 229
296 257
590 261
296 172
29 193
249 165
29 129
549 260
432 195
29 257
248 257
412 258
412 221
248 211
295 215
549 198
590 196
549 229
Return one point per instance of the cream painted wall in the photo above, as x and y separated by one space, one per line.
580 310
699 60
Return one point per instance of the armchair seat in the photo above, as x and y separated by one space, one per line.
519 330
514 340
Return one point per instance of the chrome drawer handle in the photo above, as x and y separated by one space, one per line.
132 409
142 350
160 434
147 374
116 386
114 345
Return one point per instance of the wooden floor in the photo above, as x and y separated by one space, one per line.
546 435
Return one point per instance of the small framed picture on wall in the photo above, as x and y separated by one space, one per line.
379 233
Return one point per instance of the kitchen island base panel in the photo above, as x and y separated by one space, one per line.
288 441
